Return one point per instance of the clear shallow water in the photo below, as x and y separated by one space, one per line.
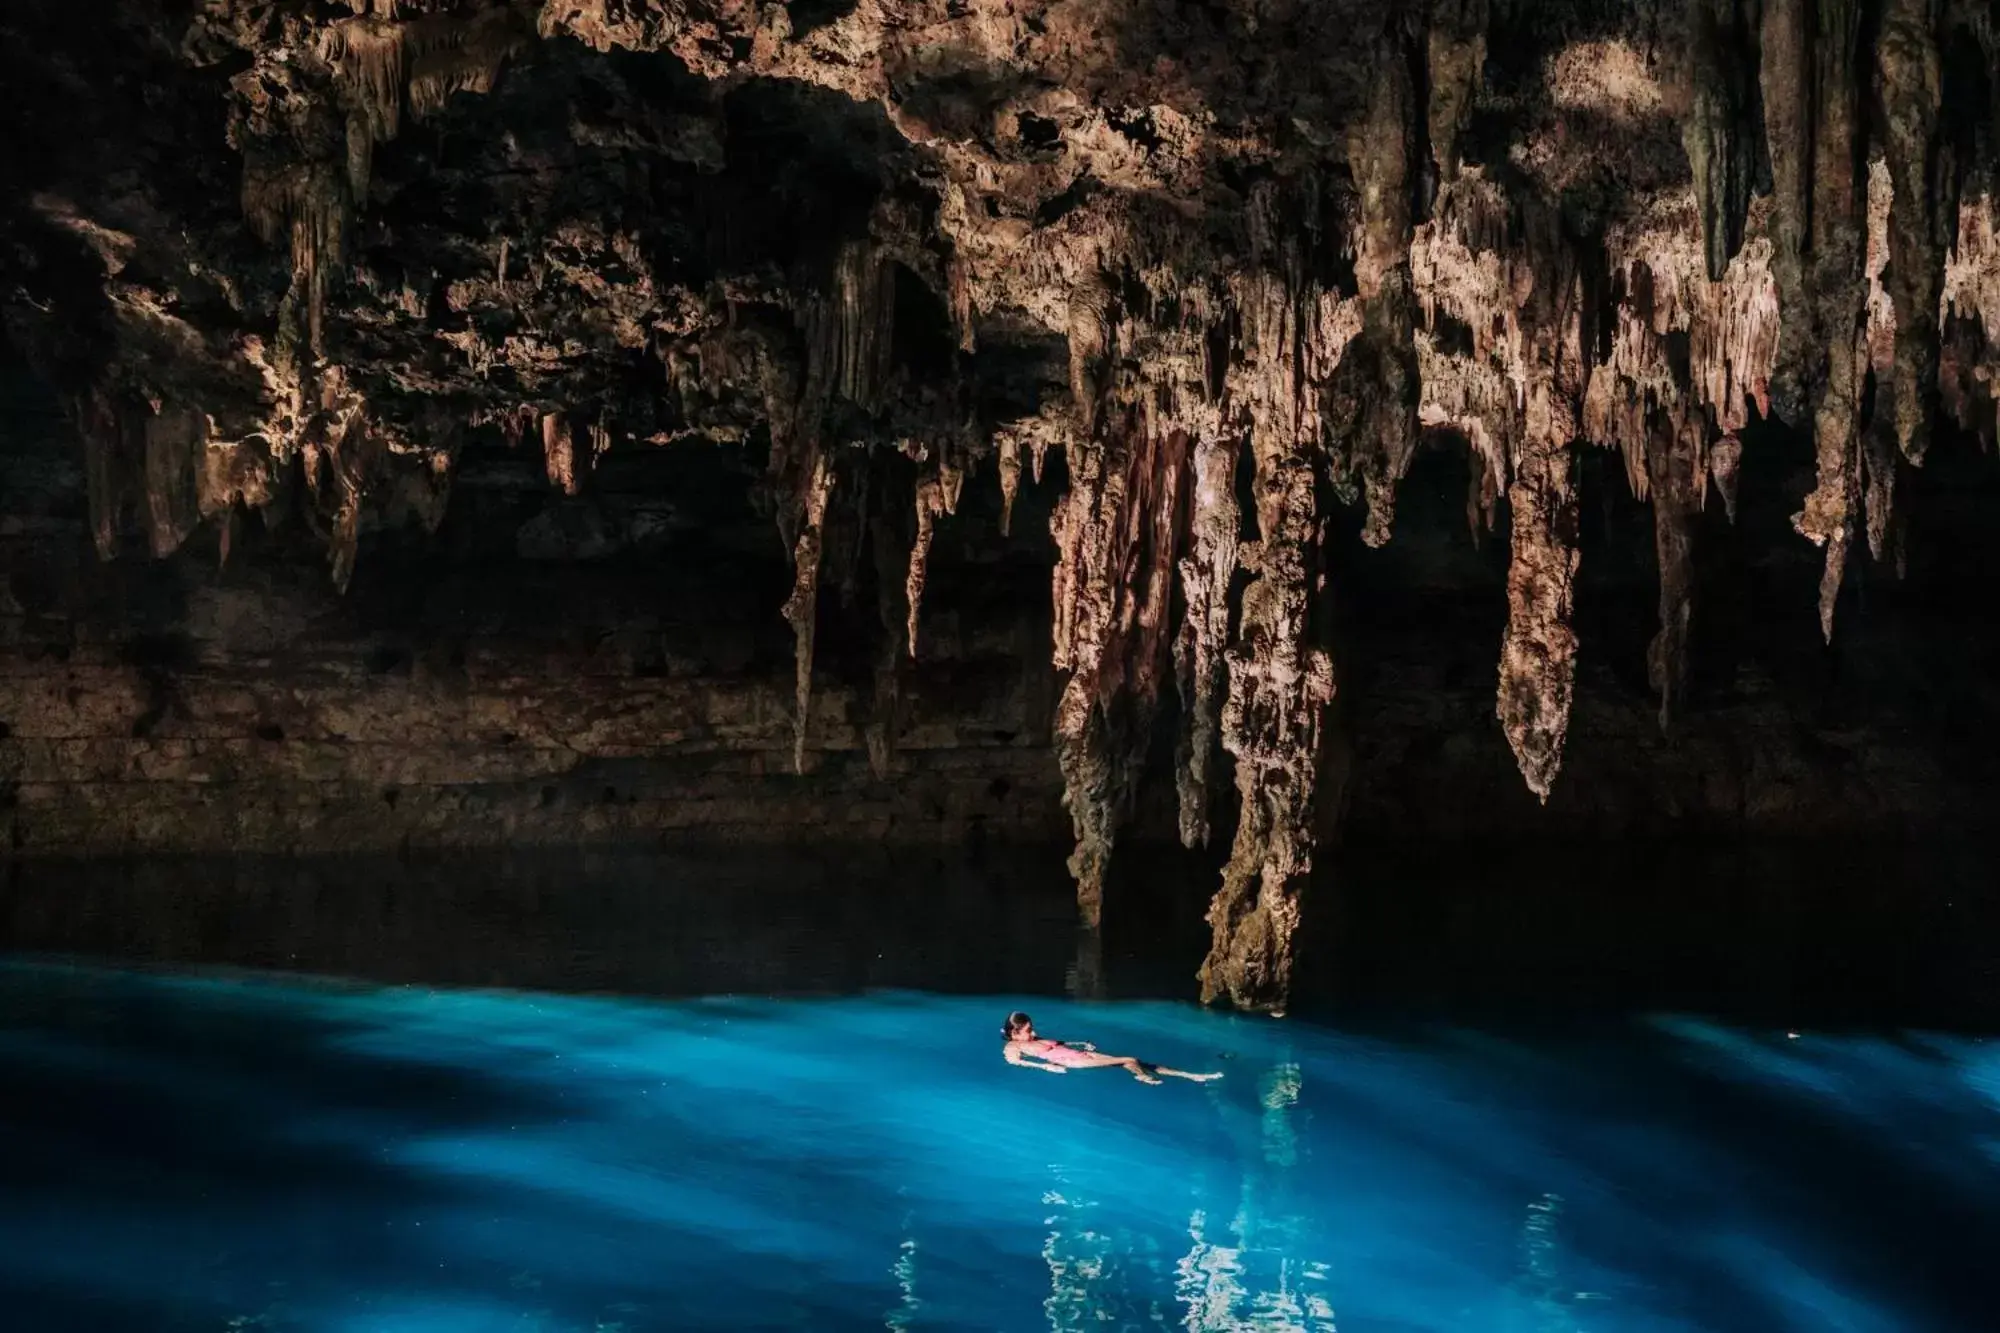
209 1151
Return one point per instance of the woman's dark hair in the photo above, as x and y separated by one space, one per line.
1015 1022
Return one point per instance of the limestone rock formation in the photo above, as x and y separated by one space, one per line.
1226 264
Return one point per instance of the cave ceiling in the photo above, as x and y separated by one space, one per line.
1230 260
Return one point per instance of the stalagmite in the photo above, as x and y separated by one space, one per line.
801 608
1201 669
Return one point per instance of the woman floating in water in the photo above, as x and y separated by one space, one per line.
1026 1049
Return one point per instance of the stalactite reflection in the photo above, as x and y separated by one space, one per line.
902 1317
1085 978
1252 1273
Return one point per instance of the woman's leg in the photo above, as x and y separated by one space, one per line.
1099 1060
1182 1073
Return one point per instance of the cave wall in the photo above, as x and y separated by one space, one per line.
611 670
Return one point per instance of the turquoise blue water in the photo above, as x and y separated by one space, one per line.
233 1152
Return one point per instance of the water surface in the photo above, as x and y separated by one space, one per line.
201 1150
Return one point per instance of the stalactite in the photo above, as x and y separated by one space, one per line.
1725 457
1054 426
380 64
1836 311
801 608
930 505
175 439
1008 450
1293 341
1662 292
1501 346
339 450
1673 462
1881 344
1377 415
1188 231
1967 375
1279 687
892 562
1086 524
1115 534
368 60
862 328
1721 133
1089 332
104 425
1538 654
559 452
345 542
1470 277
305 204
1456 59
1201 670
1910 83
1538 649
958 286
1786 82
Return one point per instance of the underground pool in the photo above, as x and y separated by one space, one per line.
224 1149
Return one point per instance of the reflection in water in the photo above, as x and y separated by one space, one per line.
1264 1281
1547 1298
1075 1257
901 1319
1084 978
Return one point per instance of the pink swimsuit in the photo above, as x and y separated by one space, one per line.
1056 1053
